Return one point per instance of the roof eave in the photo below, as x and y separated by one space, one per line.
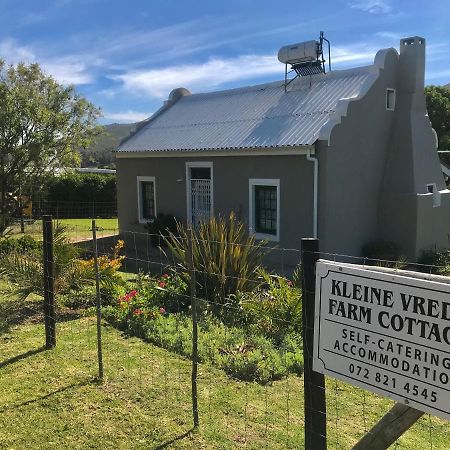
258 151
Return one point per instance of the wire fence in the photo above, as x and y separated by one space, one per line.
180 339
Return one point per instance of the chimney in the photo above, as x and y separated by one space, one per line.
412 65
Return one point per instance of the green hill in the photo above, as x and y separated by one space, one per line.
100 153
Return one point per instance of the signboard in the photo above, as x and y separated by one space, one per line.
384 332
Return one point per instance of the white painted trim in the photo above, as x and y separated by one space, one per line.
252 182
387 96
189 164
315 161
272 151
140 179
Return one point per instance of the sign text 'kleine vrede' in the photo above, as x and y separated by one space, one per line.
384 332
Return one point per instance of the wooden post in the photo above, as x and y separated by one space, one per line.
314 382
98 302
389 428
194 328
49 290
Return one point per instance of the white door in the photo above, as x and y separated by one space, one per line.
199 194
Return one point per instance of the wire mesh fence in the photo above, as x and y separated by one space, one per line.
246 379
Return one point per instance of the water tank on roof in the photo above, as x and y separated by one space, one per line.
304 51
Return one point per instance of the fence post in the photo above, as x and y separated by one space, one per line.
49 289
194 327
98 302
314 382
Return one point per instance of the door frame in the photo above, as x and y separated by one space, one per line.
203 164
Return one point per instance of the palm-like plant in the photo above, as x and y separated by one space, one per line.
25 270
226 259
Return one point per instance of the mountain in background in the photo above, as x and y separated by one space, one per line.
100 153
447 86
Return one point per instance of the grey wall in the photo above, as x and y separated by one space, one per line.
231 189
374 174
407 215
351 169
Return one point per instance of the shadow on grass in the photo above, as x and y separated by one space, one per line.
17 358
50 394
175 439
17 312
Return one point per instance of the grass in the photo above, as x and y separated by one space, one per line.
51 399
77 229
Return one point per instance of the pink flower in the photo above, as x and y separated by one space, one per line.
132 294
161 284
162 310
290 283
138 312
165 275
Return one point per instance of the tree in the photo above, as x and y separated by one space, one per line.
438 105
42 124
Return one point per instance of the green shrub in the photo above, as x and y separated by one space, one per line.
274 309
23 244
226 258
241 355
82 187
437 262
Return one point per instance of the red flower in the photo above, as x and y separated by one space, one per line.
162 310
138 312
161 284
132 294
165 275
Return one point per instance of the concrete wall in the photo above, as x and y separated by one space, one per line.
231 189
351 168
407 215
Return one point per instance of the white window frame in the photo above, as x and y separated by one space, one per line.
139 180
252 182
202 164
435 193
388 90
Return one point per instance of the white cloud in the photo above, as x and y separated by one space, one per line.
390 35
373 6
14 53
71 69
158 83
343 56
127 116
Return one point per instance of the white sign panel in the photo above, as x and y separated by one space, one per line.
384 332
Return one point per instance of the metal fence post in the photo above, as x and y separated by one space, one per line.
49 289
314 383
98 302
194 328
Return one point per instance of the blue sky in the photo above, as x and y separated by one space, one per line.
126 56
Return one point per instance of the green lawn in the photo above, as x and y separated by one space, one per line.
77 229
52 400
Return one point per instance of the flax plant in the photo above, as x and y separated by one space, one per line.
226 259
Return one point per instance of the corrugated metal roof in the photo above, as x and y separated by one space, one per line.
251 117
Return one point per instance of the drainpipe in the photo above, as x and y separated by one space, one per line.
316 187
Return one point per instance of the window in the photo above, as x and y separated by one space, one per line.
432 189
146 198
390 99
264 210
